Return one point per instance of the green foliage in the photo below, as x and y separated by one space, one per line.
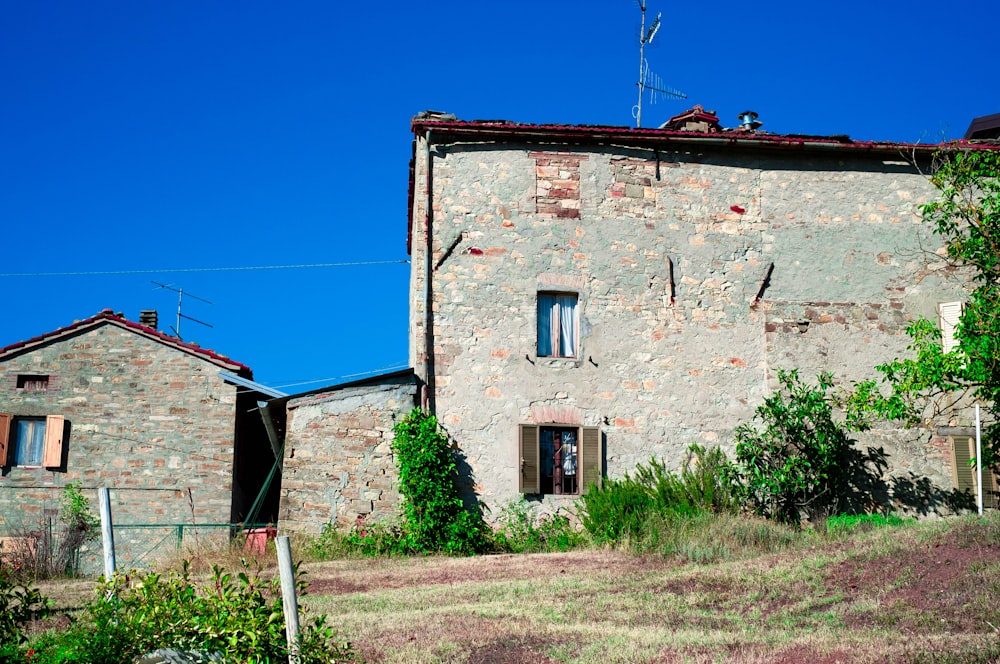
845 523
435 518
20 603
795 456
519 530
966 217
239 617
621 509
80 526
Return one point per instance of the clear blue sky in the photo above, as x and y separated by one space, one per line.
162 135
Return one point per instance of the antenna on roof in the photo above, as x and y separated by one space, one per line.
180 301
647 79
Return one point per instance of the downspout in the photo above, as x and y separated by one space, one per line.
429 382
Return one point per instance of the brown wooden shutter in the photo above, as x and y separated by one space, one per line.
528 479
5 420
991 486
52 456
963 473
591 458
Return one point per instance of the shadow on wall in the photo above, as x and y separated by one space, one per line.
869 490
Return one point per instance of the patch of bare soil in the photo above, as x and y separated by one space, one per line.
930 586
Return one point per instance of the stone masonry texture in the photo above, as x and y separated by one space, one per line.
338 466
152 423
667 253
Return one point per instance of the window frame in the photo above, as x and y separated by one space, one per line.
589 458
53 443
555 336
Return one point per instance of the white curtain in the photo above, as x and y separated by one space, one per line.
567 325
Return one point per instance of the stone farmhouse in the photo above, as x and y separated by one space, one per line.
584 298
169 427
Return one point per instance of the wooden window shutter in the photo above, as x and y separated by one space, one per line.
963 472
591 457
5 419
949 314
52 456
991 486
528 479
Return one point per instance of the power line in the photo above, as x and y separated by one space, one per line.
243 268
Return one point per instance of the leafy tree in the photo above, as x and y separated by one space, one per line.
794 457
966 216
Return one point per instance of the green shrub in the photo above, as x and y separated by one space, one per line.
435 518
616 510
239 617
20 603
796 457
623 509
519 530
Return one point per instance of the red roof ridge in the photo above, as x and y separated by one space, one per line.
108 316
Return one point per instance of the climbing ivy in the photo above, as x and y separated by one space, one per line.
435 517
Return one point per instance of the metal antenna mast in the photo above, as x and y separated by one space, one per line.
180 301
647 79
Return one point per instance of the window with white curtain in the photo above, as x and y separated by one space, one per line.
558 326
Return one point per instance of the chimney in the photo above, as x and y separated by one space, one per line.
749 122
148 318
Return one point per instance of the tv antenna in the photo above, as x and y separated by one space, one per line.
180 300
647 79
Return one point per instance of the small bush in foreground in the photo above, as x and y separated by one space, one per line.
519 530
20 603
239 617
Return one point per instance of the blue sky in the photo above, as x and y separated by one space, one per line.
185 135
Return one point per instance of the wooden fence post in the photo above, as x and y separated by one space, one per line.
289 598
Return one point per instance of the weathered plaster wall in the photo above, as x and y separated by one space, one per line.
151 422
338 462
660 366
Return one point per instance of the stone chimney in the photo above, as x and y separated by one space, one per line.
148 318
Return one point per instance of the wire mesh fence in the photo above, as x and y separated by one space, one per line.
140 546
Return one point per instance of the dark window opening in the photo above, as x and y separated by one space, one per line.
32 382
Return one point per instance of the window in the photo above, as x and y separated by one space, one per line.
31 441
559 459
557 325
964 476
32 382
949 314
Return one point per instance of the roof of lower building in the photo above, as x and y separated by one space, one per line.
108 317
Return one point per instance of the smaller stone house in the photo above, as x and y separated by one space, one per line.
338 465
171 428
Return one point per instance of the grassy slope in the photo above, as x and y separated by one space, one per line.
926 592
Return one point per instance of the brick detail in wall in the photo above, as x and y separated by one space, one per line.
557 184
784 317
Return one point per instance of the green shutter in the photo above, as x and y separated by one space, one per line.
528 480
591 458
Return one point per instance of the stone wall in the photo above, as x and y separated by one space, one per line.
668 252
338 464
151 422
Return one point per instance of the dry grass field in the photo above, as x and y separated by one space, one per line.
926 592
